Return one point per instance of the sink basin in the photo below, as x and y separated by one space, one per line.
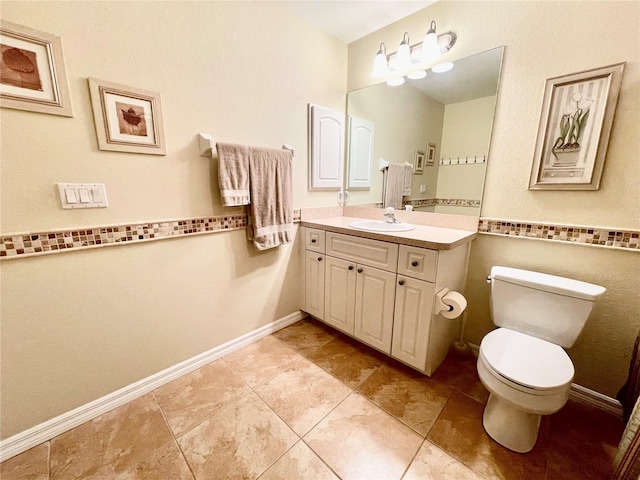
380 226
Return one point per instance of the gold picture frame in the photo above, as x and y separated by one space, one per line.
127 119
32 71
575 124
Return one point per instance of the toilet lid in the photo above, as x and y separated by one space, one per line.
527 360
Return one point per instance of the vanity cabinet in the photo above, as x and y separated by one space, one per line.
383 293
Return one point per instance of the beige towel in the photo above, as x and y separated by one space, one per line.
271 217
394 186
406 183
233 174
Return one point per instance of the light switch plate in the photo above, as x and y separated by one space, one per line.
86 195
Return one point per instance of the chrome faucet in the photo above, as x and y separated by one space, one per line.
390 216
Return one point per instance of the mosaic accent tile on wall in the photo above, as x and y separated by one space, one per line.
592 236
39 243
429 202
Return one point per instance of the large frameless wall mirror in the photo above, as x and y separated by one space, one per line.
441 124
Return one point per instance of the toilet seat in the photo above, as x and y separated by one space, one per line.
527 363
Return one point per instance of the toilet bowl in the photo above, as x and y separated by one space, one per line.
526 378
522 362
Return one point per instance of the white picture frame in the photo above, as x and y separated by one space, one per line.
33 76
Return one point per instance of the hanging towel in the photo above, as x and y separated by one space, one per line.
271 210
406 183
233 174
394 186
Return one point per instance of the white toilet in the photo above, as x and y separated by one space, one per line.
522 362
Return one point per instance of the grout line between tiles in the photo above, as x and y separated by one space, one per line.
164 417
413 459
49 460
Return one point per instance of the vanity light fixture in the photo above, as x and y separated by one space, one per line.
412 61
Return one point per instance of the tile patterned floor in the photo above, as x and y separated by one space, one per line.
310 403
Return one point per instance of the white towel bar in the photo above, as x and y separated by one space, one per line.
207 146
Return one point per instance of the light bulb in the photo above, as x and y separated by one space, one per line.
403 55
442 67
430 48
417 75
380 65
395 81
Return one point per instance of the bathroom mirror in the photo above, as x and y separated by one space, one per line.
441 124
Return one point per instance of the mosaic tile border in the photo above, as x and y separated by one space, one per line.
42 243
583 235
429 202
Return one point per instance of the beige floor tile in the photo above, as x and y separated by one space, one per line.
30 465
459 432
192 398
303 395
112 444
431 463
582 443
299 463
262 360
359 440
165 462
348 360
461 374
306 335
413 398
241 441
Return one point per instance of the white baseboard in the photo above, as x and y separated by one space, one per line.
582 394
47 430
595 399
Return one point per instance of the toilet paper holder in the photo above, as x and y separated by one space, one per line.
440 306
447 309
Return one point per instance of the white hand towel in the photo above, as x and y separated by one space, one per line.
394 186
406 184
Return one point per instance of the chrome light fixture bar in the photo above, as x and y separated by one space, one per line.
412 61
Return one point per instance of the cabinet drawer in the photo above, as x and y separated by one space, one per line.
420 263
314 240
373 253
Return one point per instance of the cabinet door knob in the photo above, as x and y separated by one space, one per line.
313 240
414 263
350 267
359 270
319 259
401 282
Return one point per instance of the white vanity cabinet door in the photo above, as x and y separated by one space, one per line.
412 321
375 295
340 293
314 283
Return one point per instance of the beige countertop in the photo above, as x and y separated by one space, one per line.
435 238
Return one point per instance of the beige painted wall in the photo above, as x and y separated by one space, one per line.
466 132
543 40
76 326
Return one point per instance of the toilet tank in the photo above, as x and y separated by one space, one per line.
544 306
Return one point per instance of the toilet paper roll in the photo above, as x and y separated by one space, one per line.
455 300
